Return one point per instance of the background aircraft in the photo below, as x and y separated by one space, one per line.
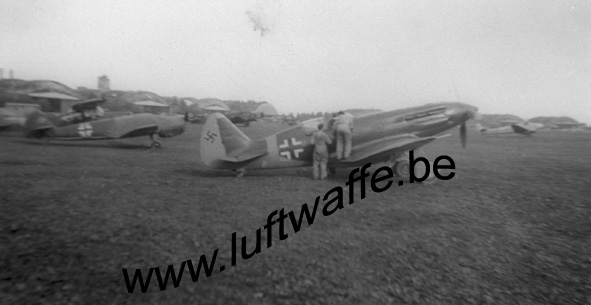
76 125
242 118
9 119
378 137
520 128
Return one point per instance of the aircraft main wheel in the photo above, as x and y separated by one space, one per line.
402 169
155 145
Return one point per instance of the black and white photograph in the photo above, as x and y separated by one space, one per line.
288 152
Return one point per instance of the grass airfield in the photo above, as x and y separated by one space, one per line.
513 226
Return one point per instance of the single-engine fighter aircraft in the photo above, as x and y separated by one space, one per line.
526 128
69 127
378 137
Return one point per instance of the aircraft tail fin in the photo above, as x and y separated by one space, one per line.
220 138
37 124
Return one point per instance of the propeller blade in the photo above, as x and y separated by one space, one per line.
463 134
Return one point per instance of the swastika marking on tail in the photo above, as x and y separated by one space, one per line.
210 136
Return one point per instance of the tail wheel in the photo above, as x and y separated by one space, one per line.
155 144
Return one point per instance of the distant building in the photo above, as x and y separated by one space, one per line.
266 109
151 107
54 101
207 104
10 74
104 84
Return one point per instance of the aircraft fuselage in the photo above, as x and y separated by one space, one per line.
112 128
292 147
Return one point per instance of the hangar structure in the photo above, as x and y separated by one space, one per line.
266 109
54 101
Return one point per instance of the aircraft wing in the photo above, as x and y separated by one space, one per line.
388 146
136 132
88 105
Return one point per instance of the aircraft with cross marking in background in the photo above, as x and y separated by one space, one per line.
526 129
378 137
75 125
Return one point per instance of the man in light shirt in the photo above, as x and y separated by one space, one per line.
344 128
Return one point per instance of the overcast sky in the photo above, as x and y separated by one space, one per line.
527 58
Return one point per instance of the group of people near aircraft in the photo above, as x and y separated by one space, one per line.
342 122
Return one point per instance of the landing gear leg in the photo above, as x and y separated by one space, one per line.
155 143
420 170
401 167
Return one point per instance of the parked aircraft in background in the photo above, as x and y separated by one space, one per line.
235 117
378 137
566 126
10 119
83 124
521 128
242 118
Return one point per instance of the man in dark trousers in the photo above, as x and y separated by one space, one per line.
320 140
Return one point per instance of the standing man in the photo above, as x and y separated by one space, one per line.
320 140
344 127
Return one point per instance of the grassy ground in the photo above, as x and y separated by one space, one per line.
513 226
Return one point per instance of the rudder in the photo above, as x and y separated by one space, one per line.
37 124
219 137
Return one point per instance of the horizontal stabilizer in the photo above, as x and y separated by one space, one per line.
88 104
522 129
244 157
253 151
